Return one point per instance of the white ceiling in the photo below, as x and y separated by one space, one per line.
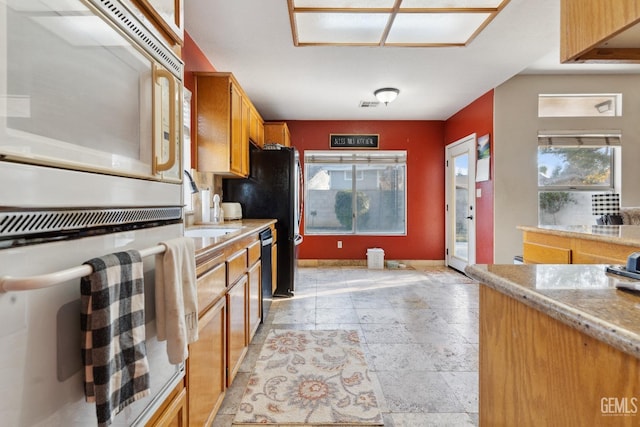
253 40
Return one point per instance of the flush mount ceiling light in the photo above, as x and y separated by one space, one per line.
413 23
386 94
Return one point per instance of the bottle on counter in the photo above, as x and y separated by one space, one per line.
217 214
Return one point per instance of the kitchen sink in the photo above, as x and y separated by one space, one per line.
210 232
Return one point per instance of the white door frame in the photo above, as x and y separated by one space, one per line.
459 257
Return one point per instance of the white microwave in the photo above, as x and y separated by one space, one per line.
84 85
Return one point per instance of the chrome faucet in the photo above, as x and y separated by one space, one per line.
194 187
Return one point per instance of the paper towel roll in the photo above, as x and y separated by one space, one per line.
205 203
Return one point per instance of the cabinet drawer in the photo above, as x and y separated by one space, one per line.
211 286
535 253
253 252
236 266
596 252
207 262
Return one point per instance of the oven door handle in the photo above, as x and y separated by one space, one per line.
173 87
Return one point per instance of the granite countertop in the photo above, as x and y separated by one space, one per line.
239 229
619 234
581 296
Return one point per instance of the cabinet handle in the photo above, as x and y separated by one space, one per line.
173 87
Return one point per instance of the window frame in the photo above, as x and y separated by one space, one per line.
355 158
593 140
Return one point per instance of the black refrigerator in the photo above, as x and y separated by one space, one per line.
273 190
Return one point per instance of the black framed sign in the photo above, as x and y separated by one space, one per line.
353 141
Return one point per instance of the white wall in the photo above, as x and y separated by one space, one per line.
515 137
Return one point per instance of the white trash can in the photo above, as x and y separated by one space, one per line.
375 258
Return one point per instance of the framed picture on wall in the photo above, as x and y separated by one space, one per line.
350 141
484 158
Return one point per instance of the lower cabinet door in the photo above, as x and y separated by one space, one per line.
237 342
206 366
255 292
274 267
175 413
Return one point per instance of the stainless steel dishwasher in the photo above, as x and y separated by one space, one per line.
266 239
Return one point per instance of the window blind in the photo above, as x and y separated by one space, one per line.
579 138
355 157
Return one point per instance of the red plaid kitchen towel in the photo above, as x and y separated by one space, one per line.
114 354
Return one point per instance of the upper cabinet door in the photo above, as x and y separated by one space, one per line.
599 31
168 15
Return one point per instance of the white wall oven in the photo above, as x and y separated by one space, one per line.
85 86
90 125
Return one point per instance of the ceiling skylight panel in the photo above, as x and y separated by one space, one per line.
447 4
340 4
390 22
340 28
435 28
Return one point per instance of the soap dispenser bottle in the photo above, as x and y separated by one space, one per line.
216 213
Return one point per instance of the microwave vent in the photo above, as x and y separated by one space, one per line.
25 223
369 104
131 25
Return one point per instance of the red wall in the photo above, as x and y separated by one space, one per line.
194 60
477 118
425 188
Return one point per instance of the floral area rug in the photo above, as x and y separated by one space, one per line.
310 378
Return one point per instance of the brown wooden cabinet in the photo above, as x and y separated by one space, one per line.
537 371
237 342
253 298
596 30
206 366
229 290
256 128
274 266
173 413
545 247
277 133
222 111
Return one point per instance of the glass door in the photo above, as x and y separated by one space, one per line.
460 194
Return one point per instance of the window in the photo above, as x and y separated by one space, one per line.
572 167
376 178
577 105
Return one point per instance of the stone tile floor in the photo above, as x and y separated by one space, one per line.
419 329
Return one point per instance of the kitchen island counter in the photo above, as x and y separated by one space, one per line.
579 244
559 345
619 234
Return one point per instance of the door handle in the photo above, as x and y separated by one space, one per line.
470 217
173 92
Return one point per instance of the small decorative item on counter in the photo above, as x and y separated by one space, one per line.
217 214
